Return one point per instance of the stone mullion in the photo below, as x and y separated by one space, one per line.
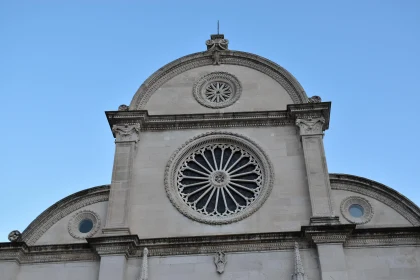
311 131
125 146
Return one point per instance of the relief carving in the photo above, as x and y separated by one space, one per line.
220 262
311 126
144 267
15 236
126 132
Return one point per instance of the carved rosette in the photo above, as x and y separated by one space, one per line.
126 132
311 126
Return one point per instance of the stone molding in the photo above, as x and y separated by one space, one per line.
379 192
172 69
220 120
132 247
126 132
367 207
61 209
73 225
212 137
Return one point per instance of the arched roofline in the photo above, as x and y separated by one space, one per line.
170 70
61 209
380 192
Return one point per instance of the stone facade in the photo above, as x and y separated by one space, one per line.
220 173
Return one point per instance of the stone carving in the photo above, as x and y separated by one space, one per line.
311 126
217 90
126 132
220 262
216 57
314 99
15 236
217 42
299 273
360 201
74 223
199 160
123 107
144 267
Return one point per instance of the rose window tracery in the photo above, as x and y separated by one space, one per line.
218 178
217 90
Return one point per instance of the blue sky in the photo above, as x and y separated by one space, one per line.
63 63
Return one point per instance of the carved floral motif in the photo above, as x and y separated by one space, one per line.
126 132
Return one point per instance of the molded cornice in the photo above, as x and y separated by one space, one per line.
218 120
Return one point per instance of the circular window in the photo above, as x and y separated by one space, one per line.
356 210
84 224
218 178
217 90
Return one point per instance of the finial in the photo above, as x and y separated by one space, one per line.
14 236
299 273
217 42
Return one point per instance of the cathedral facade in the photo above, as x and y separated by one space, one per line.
220 173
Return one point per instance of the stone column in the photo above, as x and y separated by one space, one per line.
127 136
311 132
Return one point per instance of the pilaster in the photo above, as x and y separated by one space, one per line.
329 241
312 119
126 138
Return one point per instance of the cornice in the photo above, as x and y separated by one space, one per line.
132 247
219 120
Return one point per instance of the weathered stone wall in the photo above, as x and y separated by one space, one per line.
259 92
151 214
62 271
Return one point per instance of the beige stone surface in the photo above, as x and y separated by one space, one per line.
62 271
384 215
246 266
59 234
393 263
153 215
259 92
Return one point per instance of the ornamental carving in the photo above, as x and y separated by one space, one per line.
363 206
145 266
311 126
126 132
220 262
14 236
217 42
75 221
314 99
217 90
218 178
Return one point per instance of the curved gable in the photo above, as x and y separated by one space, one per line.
246 60
386 195
61 209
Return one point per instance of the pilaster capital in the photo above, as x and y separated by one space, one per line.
332 234
311 126
114 245
126 132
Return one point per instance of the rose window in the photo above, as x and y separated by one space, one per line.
217 90
219 179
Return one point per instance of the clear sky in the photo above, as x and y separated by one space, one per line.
63 63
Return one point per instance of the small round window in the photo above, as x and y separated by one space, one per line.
356 210
84 224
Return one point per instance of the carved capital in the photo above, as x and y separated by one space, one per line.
311 126
126 132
